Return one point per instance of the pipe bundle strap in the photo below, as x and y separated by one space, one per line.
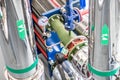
21 71
103 73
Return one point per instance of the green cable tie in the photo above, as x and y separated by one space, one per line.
102 73
21 71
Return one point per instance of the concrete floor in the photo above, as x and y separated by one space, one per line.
2 66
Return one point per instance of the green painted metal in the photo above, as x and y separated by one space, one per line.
58 26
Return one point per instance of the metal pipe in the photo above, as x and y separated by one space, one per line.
100 55
54 21
72 73
14 40
102 38
28 21
55 3
117 55
69 16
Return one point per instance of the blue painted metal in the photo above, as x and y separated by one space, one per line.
51 12
50 70
70 15
77 15
56 10
77 4
54 43
30 2
53 39
82 4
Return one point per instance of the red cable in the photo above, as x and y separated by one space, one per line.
79 12
84 12
43 52
38 35
36 20
55 3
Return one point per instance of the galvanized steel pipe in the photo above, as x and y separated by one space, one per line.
103 33
16 48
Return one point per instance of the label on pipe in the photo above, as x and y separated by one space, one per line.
105 35
21 29
93 28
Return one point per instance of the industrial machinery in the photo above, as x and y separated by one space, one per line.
73 47
67 33
63 30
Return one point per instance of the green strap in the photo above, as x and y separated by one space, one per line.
102 73
21 71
